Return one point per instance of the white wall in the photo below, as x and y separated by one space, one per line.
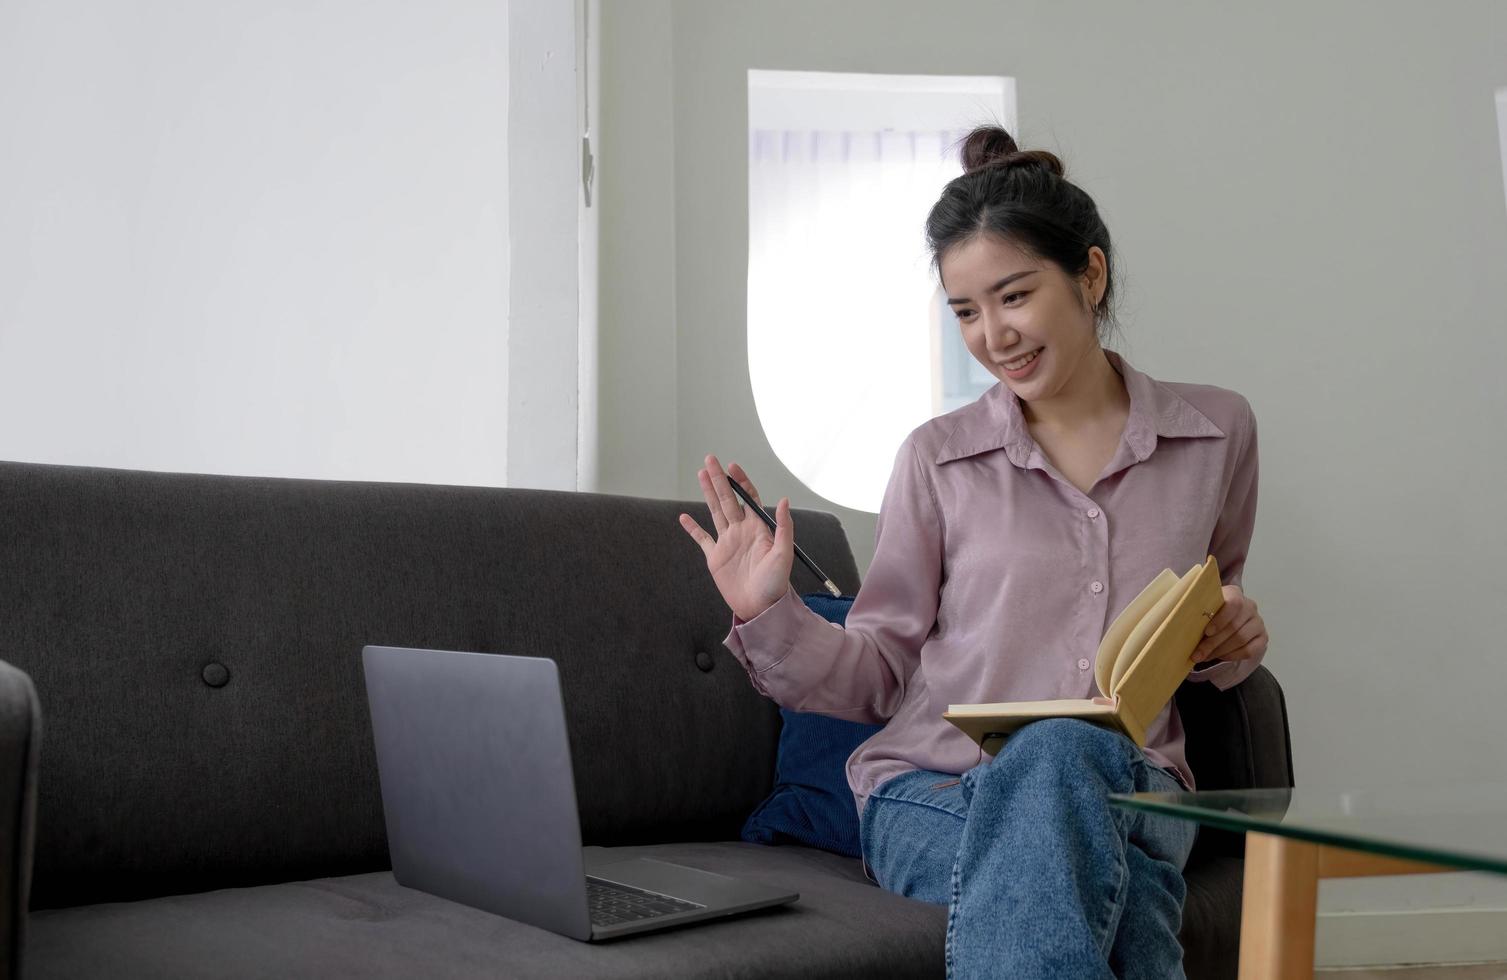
1308 203
255 238
551 331
589 116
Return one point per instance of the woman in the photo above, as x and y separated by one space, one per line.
1012 532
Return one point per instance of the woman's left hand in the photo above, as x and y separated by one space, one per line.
1236 632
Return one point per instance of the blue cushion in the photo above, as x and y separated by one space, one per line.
811 803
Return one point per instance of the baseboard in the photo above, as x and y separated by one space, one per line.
1421 936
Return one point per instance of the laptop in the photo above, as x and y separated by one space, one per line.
480 803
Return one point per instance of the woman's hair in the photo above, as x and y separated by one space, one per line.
1021 197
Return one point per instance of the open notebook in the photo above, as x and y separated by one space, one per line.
1142 659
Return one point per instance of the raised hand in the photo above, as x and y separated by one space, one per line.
750 566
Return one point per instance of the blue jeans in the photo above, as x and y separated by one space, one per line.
1041 876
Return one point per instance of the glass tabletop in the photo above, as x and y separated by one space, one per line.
1461 824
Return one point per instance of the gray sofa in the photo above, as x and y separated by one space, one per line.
185 651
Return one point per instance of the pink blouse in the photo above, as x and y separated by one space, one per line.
994 578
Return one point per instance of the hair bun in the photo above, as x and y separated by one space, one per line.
991 146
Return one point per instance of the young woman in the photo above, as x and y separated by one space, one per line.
1012 532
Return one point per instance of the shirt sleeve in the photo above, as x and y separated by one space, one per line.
858 672
1229 546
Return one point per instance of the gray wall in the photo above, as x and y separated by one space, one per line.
638 422
1308 200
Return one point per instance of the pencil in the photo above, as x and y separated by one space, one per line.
770 521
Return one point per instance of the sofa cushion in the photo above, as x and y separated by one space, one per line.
811 803
370 926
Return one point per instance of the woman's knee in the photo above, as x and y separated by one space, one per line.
1052 739
1067 750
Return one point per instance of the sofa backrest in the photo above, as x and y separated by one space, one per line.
195 645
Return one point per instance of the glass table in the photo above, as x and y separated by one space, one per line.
1294 837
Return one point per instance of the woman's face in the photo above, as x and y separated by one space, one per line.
1009 305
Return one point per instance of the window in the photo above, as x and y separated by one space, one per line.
843 308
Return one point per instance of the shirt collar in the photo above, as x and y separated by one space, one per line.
995 421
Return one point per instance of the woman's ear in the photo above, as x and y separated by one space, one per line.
1093 276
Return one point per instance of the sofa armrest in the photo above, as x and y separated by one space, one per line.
1236 739
1268 735
20 739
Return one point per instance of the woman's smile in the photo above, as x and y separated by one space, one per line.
1024 370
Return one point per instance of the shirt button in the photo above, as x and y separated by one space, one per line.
1097 587
1093 512
1083 663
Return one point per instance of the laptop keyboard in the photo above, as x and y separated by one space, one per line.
612 903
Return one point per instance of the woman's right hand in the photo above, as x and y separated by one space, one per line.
750 566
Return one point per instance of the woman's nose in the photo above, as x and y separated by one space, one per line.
1000 336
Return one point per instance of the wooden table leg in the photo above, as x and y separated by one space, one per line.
1278 909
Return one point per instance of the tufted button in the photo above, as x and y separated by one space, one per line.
1097 587
704 660
1083 663
215 675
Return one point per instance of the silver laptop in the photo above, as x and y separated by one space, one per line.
480 803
